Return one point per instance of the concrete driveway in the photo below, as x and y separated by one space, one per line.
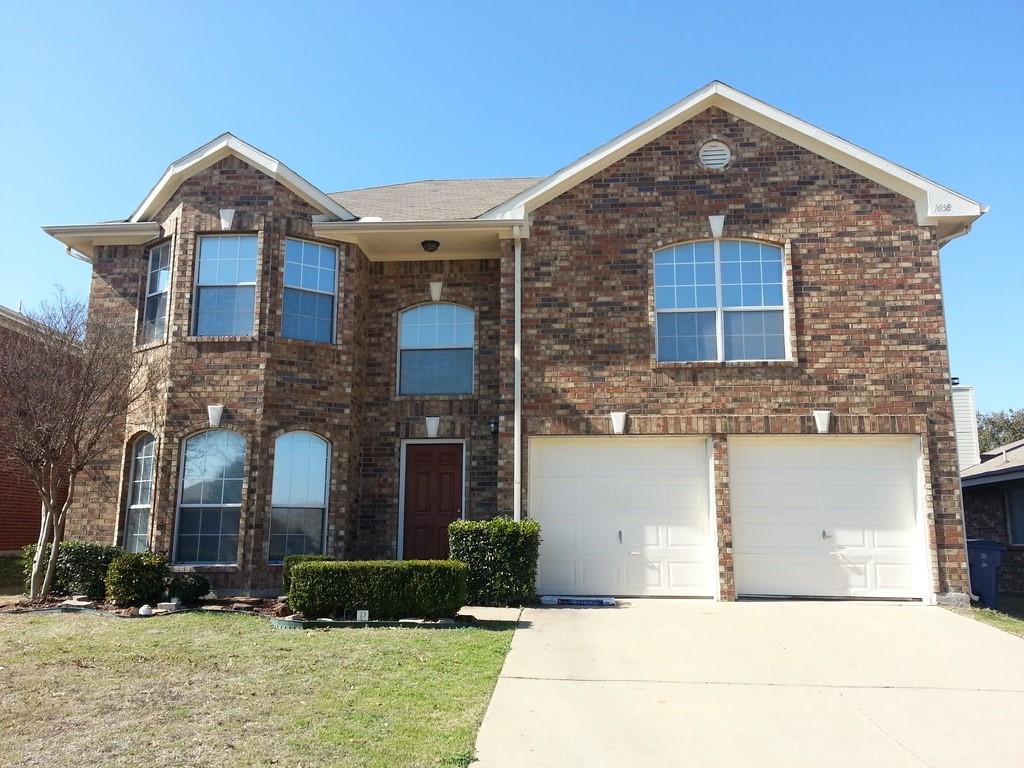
688 682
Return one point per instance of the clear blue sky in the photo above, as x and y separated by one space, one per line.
97 98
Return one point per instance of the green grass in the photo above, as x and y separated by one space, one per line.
10 575
1009 617
208 689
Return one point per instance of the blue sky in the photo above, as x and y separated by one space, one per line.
97 99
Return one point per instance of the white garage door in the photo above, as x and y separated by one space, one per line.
825 516
621 515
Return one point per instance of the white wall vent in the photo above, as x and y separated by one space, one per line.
714 155
965 421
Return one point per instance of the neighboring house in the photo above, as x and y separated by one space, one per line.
753 303
993 492
20 504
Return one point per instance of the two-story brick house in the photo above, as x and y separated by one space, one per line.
709 357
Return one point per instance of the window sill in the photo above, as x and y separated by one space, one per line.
473 396
216 339
200 568
308 343
726 364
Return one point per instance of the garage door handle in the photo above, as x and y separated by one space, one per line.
620 537
825 535
634 553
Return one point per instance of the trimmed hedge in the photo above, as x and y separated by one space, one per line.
135 578
292 560
502 559
81 568
388 589
188 587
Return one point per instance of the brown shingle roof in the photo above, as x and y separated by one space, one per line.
433 200
1005 459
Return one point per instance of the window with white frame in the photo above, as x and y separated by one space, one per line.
226 285
310 286
211 498
140 494
158 283
719 300
299 495
1015 510
436 350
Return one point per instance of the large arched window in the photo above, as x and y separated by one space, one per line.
436 350
719 300
299 495
140 494
211 498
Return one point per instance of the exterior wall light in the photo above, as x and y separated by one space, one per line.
618 421
493 424
433 422
430 245
822 421
435 290
214 414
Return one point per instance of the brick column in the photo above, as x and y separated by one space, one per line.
723 515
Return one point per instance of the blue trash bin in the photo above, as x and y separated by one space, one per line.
984 557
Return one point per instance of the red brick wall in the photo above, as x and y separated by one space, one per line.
985 515
19 500
869 334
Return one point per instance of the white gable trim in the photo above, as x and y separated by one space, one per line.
934 203
216 150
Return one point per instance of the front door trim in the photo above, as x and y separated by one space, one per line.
401 483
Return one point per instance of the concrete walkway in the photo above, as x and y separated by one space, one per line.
686 682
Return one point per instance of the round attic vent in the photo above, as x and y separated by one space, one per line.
714 155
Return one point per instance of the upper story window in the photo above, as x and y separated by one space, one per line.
140 494
158 284
719 300
211 498
226 285
298 496
436 350
310 287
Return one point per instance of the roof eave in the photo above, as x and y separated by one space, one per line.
82 239
933 202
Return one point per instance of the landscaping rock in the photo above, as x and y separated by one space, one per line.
282 609
240 606
79 601
169 607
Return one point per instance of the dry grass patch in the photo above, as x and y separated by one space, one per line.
206 689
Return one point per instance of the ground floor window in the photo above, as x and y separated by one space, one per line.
1015 508
211 498
298 496
140 494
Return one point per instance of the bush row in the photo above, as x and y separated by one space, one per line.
103 572
502 559
388 589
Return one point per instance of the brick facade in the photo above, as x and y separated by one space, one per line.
985 516
866 321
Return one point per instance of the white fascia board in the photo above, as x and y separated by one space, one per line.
933 202
504 226
81 239
216 150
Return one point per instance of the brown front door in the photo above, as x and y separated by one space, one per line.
433 498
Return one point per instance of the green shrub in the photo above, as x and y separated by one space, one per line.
388 589
292 560
502 559
81 568
135 578
188 587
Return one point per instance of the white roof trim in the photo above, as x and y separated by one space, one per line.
216 150
19 318
81 239
934 203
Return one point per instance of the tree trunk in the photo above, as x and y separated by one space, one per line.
45 534
58 523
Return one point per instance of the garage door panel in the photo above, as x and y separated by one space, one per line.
859 490
653 490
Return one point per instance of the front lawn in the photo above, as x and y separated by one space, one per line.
206 689
1009 617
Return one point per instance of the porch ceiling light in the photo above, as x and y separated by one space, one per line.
214 414
430 245
618 421
822 420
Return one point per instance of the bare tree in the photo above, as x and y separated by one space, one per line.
66 386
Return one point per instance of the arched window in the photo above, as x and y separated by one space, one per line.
436 350
299 495
719 300
211 498
140 494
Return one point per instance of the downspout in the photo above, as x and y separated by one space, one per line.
517 417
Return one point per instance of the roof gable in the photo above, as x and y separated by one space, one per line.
935 205
216 150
